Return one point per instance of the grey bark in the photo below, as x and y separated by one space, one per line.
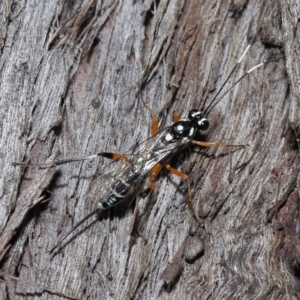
71 77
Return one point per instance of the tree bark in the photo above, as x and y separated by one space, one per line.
73 76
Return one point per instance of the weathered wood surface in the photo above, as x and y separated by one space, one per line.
66 71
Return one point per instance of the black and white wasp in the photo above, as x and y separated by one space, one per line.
150 157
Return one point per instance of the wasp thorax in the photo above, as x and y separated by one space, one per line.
182 130
199 119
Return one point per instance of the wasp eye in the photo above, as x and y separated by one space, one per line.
203 124
199 119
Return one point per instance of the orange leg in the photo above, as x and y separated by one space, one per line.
114 156
158 167
155 120
176 116
211 144
186 177
153 174
154 126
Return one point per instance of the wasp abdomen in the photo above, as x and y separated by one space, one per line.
118 191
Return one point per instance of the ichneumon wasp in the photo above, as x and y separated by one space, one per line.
151 156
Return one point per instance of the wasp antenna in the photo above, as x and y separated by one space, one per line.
242 56
74 228
214 100
254 68
210 107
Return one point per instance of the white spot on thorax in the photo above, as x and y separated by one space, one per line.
168 137
191 132
179 127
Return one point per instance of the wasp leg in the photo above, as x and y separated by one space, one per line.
153 174
176 116
157 168
155 120
109 155
113 155
211 144
186 177
154 125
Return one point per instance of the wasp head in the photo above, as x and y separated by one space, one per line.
199 119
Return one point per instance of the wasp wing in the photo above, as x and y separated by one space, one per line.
125 175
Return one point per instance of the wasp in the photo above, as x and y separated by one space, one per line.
150 157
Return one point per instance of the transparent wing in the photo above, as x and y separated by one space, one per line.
139 164
101 184
150 144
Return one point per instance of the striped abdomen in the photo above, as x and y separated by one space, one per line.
119 189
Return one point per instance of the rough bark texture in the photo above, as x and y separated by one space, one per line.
69 72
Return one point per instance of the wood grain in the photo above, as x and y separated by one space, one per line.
72 77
